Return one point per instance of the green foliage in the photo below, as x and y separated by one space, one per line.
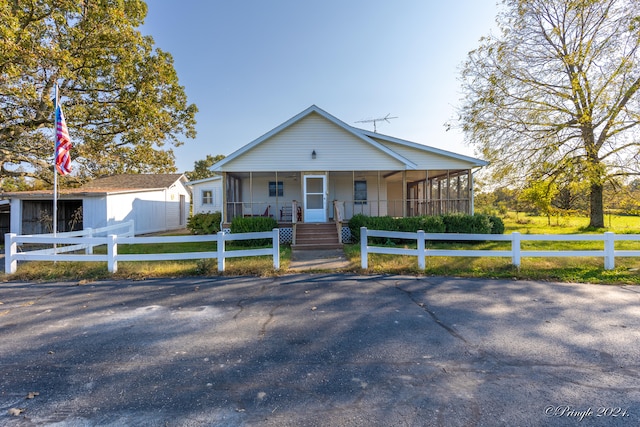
121 97
454 223
253 224
497 225
540 195
204 223
357 221
467 224
515 108
202 168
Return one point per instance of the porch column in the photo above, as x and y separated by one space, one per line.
251 192
378 213
225 208
404 193
427 188
470 181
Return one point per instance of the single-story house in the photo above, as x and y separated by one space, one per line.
315 168
155 202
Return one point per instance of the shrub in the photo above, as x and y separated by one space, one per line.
253 224
357 221
453 223
432 224
204 223
467 224
497 225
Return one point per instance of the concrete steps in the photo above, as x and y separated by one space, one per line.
316 236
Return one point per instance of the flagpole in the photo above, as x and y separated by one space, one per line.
55 172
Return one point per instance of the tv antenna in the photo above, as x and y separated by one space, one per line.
374 121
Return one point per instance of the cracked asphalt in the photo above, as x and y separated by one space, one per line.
319 350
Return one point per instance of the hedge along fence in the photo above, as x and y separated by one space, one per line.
609 253
453 223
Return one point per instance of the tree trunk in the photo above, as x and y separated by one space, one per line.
596 208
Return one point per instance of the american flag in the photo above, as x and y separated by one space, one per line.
63 144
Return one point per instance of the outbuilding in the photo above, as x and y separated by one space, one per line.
155 202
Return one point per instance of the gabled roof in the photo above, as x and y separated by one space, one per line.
478 162
133 182
125 183
315 109
203 180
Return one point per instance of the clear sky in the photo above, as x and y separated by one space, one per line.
250 65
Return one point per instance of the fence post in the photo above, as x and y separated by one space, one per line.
10 249
364 258
112 253
221 250
609 250
515 249
421 254
89 249
276 248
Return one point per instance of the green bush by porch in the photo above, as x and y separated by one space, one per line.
204 223
253 224
454 223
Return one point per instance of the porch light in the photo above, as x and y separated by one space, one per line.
313 154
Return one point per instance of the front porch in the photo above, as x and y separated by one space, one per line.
318 197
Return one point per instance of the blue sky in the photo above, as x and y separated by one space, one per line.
250 65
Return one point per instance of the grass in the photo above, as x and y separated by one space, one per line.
564 269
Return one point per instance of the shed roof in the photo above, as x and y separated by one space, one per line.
132 181
125 183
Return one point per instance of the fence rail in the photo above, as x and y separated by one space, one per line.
608 252
88 233
12 241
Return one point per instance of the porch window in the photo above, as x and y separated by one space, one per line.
276 188
360 192
207 197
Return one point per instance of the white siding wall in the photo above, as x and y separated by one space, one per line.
336 150
341 188
16 216
94 212
258 193
216 190
147 210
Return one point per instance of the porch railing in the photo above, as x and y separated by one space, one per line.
288 211
414 207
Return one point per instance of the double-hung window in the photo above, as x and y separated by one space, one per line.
207 197
276 189
360 192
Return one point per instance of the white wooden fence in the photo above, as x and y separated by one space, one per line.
609 253
12 241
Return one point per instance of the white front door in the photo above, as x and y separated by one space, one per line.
315 198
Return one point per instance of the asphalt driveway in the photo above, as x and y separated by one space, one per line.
319 350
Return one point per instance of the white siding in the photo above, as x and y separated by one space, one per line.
341 188
336 150
216 191
16 216
148 210
94 212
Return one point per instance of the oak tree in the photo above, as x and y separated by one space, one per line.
121 97
556 90
202 168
